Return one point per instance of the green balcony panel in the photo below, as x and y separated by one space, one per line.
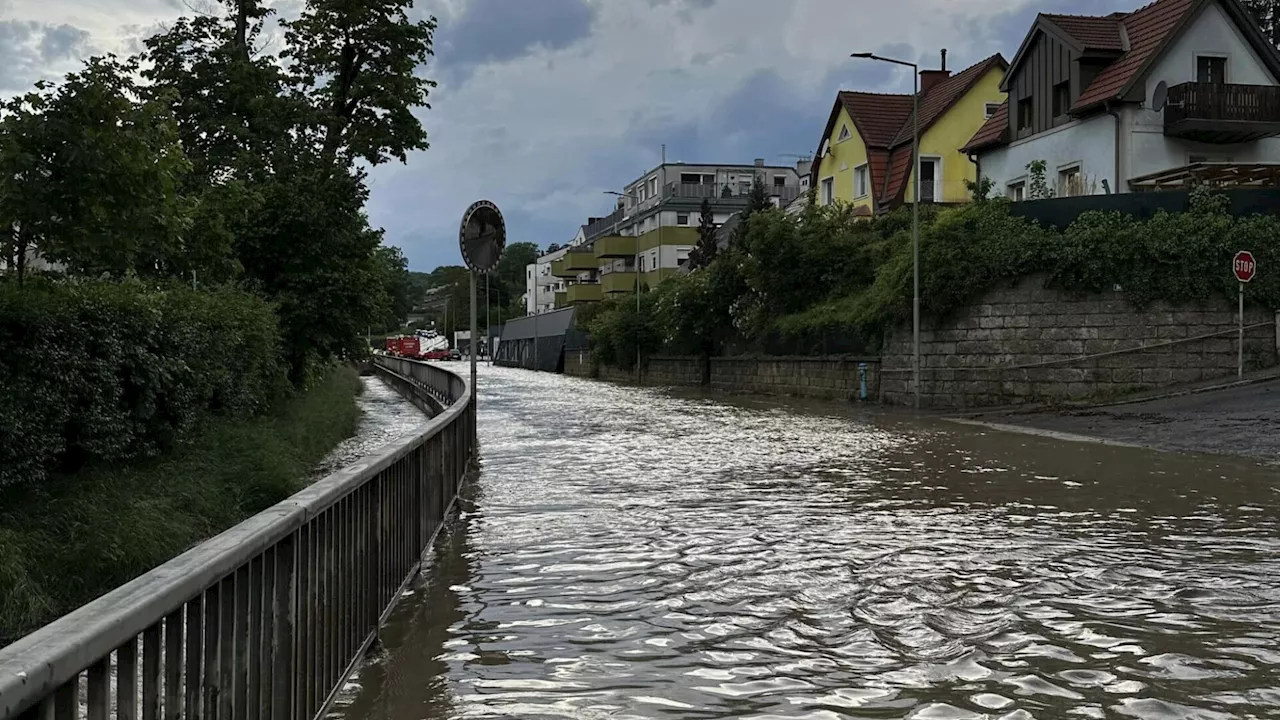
618 282
573 263
583 293
615 246
562 299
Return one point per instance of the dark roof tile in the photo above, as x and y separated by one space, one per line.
1147 30
1091 32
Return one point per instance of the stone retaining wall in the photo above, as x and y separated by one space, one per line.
831 378
1027 344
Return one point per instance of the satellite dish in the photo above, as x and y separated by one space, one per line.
482 236
1160 97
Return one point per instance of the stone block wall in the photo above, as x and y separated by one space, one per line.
1027 344
674 371
831 378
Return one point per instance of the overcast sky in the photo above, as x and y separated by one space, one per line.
544 104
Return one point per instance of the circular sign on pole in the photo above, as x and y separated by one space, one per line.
1244 266
482 236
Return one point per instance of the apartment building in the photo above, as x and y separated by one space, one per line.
540 285
655 224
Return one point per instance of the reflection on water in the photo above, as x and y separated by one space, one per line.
637 554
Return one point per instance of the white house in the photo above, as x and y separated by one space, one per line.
1178 91
540 285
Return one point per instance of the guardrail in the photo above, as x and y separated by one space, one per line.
268 619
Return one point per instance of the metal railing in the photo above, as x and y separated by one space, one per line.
269 618
729 191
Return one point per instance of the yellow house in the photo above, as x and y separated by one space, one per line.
864 158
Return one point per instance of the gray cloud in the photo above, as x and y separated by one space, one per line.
29 50
501 30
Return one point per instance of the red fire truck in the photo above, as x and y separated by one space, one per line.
403 346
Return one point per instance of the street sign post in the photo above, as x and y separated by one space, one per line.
1244 267
481 238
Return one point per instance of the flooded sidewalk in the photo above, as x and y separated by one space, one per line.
1242 421
386 416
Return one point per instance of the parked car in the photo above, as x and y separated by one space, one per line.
454 354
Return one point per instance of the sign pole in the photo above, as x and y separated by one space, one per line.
1240 340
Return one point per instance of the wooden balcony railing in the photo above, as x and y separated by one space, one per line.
1220 112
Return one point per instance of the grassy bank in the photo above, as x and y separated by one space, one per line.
78 536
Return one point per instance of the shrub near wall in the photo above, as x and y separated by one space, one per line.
107 372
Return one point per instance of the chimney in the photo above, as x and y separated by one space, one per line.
759 162
929 78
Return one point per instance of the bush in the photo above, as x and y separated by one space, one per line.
107 372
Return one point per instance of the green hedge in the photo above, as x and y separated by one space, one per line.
96 372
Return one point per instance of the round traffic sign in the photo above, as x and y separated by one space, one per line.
1244 266
482 236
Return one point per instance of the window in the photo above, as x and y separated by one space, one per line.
1017 191
1211 69
682 218
930 174
690 178
1024 114
1061 98
991 109
779 180
655 261
860 184
827 188
844 133
653 186
1070 182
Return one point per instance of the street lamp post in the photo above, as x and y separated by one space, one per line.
915 218
636 262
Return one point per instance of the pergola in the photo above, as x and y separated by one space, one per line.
1219 174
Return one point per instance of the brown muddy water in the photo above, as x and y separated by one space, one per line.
637 553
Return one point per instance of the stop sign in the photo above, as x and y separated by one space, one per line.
1244 266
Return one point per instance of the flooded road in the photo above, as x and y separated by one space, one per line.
645 554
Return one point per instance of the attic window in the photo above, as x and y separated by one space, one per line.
991 109
1061 98
844 133
1024 114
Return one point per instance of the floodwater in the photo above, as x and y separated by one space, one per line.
637 553
385 417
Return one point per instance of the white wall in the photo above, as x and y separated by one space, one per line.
1148 150
1089 143
539 273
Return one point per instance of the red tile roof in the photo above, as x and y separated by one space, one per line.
1148 29
1091 32
884 122
991 132
945 94
879 117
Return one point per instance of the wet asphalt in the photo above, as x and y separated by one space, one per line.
1243 421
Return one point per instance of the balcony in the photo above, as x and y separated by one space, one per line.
573 263
615 246
582 293
605 224
1222 113
618 282
730 193
562 299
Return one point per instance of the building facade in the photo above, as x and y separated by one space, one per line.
864 154
654 226
1178 92
540 285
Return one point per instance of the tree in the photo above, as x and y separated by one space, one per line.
93 173
757 201
705 251
1267 14
355 63
398 287
510 273
553 247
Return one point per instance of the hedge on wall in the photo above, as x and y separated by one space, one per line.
96 372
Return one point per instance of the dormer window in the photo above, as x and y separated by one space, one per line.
1061 99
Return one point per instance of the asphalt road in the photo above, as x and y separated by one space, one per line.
1238 421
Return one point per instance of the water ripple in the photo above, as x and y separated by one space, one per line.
634 553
